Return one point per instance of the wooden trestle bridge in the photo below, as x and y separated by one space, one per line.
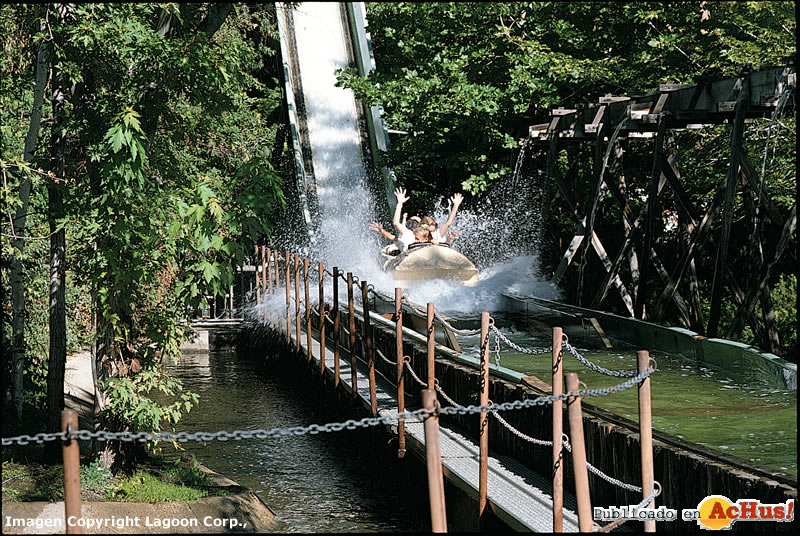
377 360
737 101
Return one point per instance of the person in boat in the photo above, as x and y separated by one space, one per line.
407 236
395 247
438 233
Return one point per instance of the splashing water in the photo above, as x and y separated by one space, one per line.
495 235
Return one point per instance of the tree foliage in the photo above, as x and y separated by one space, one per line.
461 82
169 178
466 79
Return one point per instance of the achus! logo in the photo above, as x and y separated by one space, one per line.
717 512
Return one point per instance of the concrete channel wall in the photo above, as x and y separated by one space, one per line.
686 472
741 360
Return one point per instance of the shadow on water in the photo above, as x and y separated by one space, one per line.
345 481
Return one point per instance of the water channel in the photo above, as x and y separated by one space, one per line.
329 482
690 400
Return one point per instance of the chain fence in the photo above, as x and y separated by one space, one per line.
351 424
566 445
411 416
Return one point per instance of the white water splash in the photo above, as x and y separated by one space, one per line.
489 234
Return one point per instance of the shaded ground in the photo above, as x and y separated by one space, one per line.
228 508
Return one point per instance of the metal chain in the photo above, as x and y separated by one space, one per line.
317 428
411 304
417 415
444 395
38 438
496 349
517 347
616 373
611 480
462 332
520 434
407 361
381 295
380 354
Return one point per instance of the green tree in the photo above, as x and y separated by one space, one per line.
465 79
167 177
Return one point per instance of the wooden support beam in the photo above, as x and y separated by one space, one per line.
653 216
572 249
746 309
737 136
770 341
683 263
594 198
632 230
673 176
750 176
696 311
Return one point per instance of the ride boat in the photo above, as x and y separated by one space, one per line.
425 261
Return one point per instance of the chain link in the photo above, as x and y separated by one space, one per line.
496 348
237 435
517 347
521 435
411 370
616 373
444 395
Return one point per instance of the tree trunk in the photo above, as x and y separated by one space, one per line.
17 275
58 320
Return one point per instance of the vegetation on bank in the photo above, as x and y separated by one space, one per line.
156 479
140 149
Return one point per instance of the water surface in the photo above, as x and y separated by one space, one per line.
330 482
691 401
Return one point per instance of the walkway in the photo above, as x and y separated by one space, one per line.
519 497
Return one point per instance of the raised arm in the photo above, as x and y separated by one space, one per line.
378 228
456 199
400 194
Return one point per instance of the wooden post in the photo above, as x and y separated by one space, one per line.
308 311
258 279
351 310
277 271
646 434
579 467
269 279
335 327
431 350
433 461
483 466
401 390
297 299
321 320
288 305
373 395
558 431
263 281
269 269
72 471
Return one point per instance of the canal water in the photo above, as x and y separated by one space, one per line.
328 482
691 401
